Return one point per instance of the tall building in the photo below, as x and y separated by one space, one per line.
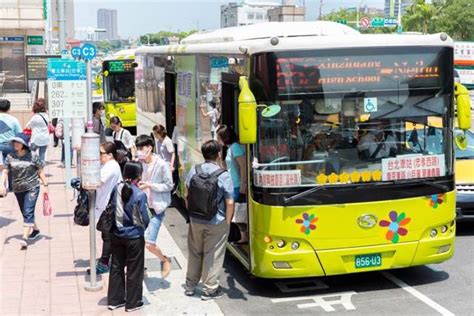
391 7
107 19
245 13
22 26
69 17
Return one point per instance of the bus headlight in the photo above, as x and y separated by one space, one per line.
281 243
444 229
295 245
433 233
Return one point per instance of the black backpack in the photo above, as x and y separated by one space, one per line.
202 194
81 211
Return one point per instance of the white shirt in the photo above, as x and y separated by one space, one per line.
110 175
125 137
369 142
39 129
158 174
165 149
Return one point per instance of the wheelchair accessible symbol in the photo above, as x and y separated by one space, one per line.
370 105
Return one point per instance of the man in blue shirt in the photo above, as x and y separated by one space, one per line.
9 127
207 239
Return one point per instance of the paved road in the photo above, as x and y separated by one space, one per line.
445 289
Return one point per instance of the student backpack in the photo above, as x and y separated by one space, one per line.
202 194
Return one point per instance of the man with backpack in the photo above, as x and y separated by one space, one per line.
211 207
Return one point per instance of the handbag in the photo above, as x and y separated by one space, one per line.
106 220
47 209
51 127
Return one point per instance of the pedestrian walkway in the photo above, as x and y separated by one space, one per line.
49 278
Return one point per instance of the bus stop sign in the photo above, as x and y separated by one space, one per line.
88 51
76 52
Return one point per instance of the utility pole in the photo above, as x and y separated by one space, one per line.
61 24
320 9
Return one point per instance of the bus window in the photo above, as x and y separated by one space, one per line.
120 87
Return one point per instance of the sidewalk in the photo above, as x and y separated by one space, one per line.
49 277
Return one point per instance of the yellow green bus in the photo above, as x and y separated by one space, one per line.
119 88
333 185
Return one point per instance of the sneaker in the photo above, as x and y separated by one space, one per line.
100 268
139 306
112 307
165 267
189 291
218 293
35 234
24 244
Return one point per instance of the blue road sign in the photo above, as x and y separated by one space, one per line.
88 51
76 52
63 69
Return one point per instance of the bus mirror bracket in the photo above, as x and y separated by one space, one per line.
247 113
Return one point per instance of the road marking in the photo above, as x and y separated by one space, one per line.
319 301
299 286
425 299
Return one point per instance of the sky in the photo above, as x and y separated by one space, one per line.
137 17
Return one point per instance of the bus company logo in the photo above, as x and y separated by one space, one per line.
367 221
308 223
395 229
436 199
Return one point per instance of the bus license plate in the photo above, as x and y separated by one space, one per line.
367 261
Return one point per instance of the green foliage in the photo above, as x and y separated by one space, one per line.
420 17
159 38
351 16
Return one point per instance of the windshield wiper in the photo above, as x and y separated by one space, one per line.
303 194
424 181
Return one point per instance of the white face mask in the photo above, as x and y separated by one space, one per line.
143 154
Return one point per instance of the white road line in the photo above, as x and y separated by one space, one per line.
443 311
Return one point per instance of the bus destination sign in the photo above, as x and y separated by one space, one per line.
120 66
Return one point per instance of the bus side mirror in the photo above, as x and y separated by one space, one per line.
463 106
247 114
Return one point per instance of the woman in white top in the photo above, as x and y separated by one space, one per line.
164 145
214 115
121 135
39 129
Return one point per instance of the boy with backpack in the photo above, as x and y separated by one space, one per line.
211 207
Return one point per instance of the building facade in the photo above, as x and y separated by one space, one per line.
391 7
22 29
68 13
107 19
246 13
288 12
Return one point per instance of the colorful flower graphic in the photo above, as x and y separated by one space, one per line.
395 229
307 223
436 199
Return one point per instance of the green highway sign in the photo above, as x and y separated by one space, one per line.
377 22
341 21
34 40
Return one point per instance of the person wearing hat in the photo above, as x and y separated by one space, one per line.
26 171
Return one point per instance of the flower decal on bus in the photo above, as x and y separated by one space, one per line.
436 199
395 229
307 223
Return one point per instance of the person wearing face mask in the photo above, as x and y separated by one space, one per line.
110 175
157 183
98 111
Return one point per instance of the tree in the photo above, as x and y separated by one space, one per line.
457 19
158 38
420 17
351 16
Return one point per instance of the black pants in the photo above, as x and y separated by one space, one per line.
128 253
106 248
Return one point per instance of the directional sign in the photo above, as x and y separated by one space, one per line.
378 22
342 21
364 22
76 52
390 22
88 51
67 88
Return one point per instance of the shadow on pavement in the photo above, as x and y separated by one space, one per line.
5 221
153 284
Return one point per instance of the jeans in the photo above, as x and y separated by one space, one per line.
27 201
129 253
42 153
151 233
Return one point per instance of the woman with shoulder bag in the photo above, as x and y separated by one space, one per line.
130 219
123 141
40 129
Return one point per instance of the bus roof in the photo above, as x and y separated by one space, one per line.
122 54
255 38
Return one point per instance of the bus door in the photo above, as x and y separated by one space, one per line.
229 117
170 110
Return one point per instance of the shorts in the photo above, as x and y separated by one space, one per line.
151 233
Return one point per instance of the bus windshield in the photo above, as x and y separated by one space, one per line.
364 124
119 83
